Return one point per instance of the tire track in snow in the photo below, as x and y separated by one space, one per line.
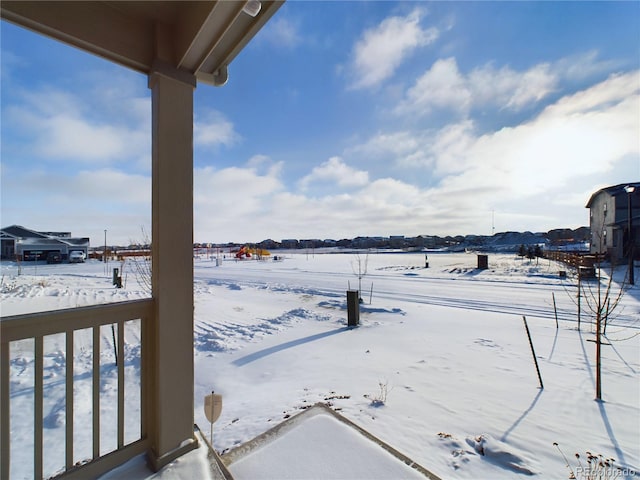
465 297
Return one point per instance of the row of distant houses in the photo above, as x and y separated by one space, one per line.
610 220
20 243
614 226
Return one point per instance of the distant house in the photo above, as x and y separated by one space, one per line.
397 241
609 220
290 243
25 244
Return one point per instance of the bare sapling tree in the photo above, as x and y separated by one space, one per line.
602 298
359 266
141 264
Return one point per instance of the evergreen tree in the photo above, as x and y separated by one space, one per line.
522 251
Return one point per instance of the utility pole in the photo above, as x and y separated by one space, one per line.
104 253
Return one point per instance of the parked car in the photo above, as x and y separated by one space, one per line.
76 257
54 257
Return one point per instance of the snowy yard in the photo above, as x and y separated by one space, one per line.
443 349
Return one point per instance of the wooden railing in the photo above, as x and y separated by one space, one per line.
574 259
35 327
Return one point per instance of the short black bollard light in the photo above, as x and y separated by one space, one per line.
353 308
115 276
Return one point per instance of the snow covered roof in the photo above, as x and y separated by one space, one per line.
18 231
30 237
614 191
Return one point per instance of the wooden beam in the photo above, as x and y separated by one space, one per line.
94 27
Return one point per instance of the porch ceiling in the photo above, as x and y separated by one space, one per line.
198 37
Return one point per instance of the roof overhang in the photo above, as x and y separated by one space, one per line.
200 38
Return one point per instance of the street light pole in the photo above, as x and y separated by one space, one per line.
104 253
630 189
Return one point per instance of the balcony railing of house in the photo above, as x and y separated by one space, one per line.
100 323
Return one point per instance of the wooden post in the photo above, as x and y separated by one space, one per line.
555 309
533 352
353 308
171 413
579 295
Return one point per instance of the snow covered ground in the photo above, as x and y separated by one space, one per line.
443 350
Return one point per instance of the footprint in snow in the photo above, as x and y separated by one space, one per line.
485 342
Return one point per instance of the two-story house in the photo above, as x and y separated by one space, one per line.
609 220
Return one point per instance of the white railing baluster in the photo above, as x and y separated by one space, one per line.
146 354
5 434
39 325
38 410
96 392
69 355
120 356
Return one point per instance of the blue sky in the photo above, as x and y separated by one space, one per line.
342 119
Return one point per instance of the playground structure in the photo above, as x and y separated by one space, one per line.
247 252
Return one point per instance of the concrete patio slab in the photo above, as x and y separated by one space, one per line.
320 444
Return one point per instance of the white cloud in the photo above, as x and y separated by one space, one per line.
450 146
82 189
406 148
525 173
212 129
84 202
582 134
584 65
382 49
58 127
509 89
233 191
65 134
264 165
443 86
395 143
335 171
281 32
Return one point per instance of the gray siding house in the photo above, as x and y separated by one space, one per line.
25 244
609 221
